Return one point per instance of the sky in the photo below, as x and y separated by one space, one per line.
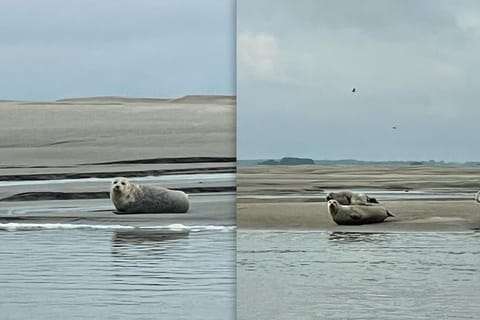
52 49
415 66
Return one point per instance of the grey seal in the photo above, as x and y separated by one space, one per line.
356 214
477 197
348 197
128 197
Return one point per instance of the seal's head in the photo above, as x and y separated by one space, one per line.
120 185
330 196
332 206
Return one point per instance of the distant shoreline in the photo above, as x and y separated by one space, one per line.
270 162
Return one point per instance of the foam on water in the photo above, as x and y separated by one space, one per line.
13 226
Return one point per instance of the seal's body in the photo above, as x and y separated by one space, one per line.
349 198
477 197
128 197
356 214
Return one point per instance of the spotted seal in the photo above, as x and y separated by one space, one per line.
356 214
128 197
348 197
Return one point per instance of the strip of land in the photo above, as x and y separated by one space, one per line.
57 157
293 197
205 209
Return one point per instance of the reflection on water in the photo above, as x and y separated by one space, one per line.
123 274
357 237
352 275
144 235
128 244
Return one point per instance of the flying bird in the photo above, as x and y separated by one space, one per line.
394 127
354 89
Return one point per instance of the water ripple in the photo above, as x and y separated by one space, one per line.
94 273
314 275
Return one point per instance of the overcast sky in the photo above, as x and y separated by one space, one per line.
415 65
54 49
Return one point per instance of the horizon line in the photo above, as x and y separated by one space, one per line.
360 160
119 97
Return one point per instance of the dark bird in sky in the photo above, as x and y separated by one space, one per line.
394 127
354 89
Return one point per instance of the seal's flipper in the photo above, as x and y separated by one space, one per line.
355 216
372 200
389 214
349 199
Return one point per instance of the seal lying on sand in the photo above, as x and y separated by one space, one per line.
477 197
349 197
355 215
128 197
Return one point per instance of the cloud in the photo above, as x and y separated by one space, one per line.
326 58
414 64
256 54
52 49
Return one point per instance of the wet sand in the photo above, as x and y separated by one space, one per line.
205 209
293 197
65 143
74 135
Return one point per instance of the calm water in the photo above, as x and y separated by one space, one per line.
322 275
116 274
435 193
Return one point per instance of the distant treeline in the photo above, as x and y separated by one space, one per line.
301 161
288 161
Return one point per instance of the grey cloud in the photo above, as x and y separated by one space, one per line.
389 20
54 48
413 62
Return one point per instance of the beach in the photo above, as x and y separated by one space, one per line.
70 149
65 250
421 264
76 134
423 197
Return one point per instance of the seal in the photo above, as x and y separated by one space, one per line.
128 197
348 198
356 214
477 197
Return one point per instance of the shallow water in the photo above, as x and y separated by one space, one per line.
106 273
204 177
322 275
382 194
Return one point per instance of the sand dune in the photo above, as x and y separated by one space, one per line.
118 100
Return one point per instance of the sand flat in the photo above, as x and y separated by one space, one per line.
91 131
205 209
53 149
283 208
